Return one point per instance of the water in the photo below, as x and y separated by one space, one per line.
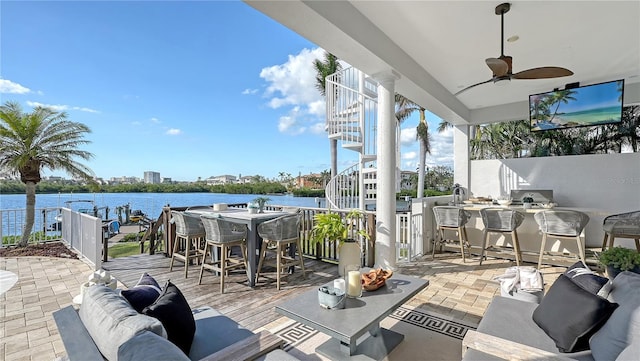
149 203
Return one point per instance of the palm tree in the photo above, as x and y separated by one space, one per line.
323 69
404 109
44 138
422 134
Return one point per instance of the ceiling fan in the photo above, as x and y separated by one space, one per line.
501 66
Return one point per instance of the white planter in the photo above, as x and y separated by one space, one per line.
349 254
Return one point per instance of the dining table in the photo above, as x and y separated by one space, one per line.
251 220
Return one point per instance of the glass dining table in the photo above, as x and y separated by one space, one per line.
251 220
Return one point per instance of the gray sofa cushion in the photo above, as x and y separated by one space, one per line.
111 321
623 326
214 332
511 319
147 346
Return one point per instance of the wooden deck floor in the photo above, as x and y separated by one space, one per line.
251 308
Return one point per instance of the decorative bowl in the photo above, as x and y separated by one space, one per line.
504 202
548 205
375 279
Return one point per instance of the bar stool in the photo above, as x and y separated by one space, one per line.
189 234
623 225
279 236
450 218
223 235
502 221
563 224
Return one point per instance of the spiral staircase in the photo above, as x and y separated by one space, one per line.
352 111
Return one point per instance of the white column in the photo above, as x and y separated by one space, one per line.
385 254
461 160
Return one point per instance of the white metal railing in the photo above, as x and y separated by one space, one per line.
341 191
46 225
352 109
79 231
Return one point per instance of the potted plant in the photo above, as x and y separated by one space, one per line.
330 227
260 202
527 202
619 259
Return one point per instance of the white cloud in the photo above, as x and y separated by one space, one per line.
291 123
136 123
155 120
60 107
408 136
441 148
56 107
9 87
174 131
409 155
249 91
292 84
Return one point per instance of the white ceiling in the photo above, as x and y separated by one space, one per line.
440 47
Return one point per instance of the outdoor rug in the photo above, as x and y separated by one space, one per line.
427 336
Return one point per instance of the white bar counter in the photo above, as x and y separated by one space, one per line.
529 234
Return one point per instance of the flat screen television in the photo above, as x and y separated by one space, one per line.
589 105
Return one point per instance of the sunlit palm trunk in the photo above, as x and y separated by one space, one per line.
31 209
423 160
334 157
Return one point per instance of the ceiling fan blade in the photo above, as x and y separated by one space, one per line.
472 86
544 72
498 66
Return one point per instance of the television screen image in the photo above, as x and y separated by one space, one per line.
588 105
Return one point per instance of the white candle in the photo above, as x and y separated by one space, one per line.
354 288
339 284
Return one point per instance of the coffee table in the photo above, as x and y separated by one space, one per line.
348 327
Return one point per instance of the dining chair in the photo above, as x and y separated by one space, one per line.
561 224
623 225
450 218
281 236
222 235
502 221
189 235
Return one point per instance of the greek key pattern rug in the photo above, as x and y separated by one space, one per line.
296 333
431 322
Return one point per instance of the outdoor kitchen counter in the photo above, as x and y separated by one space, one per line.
528 233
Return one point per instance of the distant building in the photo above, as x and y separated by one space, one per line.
151 177
406 181
124 180
221 179
166 180
245 179
309 181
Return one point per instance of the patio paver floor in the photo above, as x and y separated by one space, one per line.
28 332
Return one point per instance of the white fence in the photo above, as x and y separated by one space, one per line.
80 231
83 233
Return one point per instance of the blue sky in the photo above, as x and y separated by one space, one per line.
187 89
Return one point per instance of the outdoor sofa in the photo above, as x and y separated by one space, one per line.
108 327
572 317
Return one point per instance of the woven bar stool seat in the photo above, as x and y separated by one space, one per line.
563 224
623 225
189 235
503 221
454 219
223 235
